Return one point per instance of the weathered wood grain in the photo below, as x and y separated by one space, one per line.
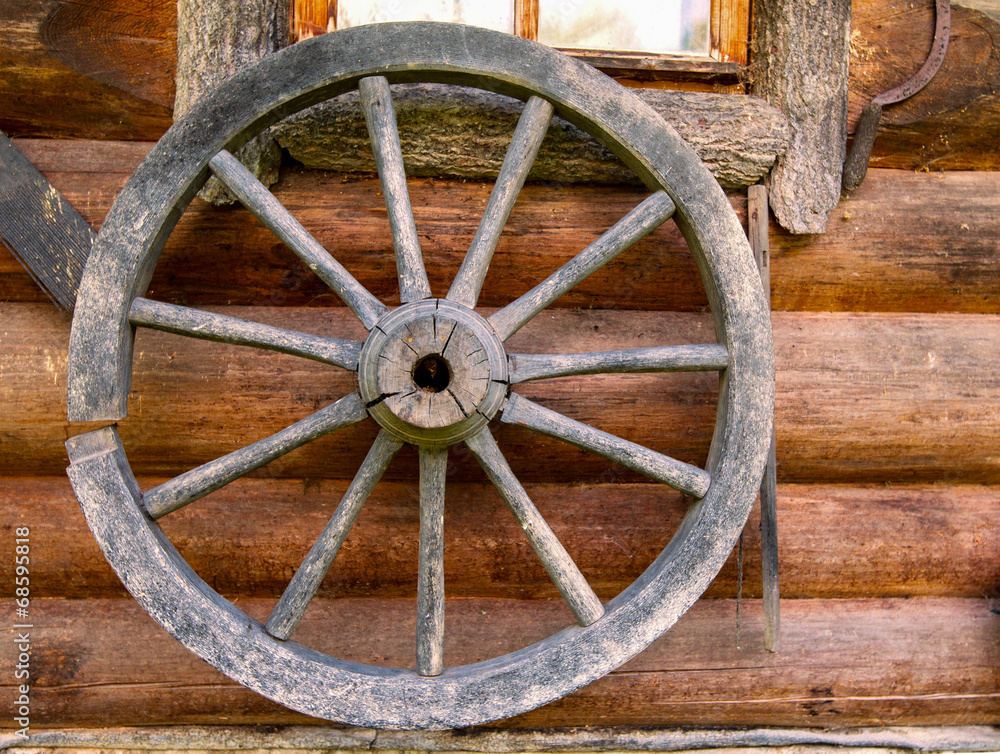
380 118
121 64
430 563
517 161
203 738
246 540
860 397
265 207
116 59
695 358
215 40
623 235
466 133
856 165
689 479
925 242
758 216
198 323
904 662
41 229
572 585
195 484
309 575
800 56
954 122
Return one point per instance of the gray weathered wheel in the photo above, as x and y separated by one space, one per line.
418 390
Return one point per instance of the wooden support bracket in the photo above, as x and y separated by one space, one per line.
800 54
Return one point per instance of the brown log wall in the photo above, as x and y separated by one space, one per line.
119 59
887 334
903 242
887 414
837 541
900 662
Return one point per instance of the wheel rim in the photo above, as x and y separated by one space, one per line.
110 304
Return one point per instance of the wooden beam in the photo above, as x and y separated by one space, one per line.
730 30
912 541
119 63
900 662
860 397
312 17
197 738
465 133
526 18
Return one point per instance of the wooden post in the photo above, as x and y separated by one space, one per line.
800 66
216 39
757 227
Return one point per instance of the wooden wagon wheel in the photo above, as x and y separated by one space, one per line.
432 372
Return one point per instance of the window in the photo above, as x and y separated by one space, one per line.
690 44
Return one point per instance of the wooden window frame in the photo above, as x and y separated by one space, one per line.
721 70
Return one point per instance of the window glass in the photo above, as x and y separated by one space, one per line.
655 26
492 15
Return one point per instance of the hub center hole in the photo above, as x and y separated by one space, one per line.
432 373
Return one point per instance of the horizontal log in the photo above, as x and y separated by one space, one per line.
87 70
835 541
902 242
197 738
120 63
861 398
465 133
843 663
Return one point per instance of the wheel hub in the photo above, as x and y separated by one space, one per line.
433 372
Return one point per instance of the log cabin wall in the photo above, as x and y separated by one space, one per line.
887 337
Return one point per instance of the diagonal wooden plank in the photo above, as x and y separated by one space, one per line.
41 228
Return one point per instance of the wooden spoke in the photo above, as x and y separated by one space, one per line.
262 203
302 588
195 323
681 476
694 358
645 218
562 570
197 483
376 101
430 582
521 153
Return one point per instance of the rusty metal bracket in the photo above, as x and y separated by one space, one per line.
856 165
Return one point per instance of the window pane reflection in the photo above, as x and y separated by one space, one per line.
491 15
657 26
